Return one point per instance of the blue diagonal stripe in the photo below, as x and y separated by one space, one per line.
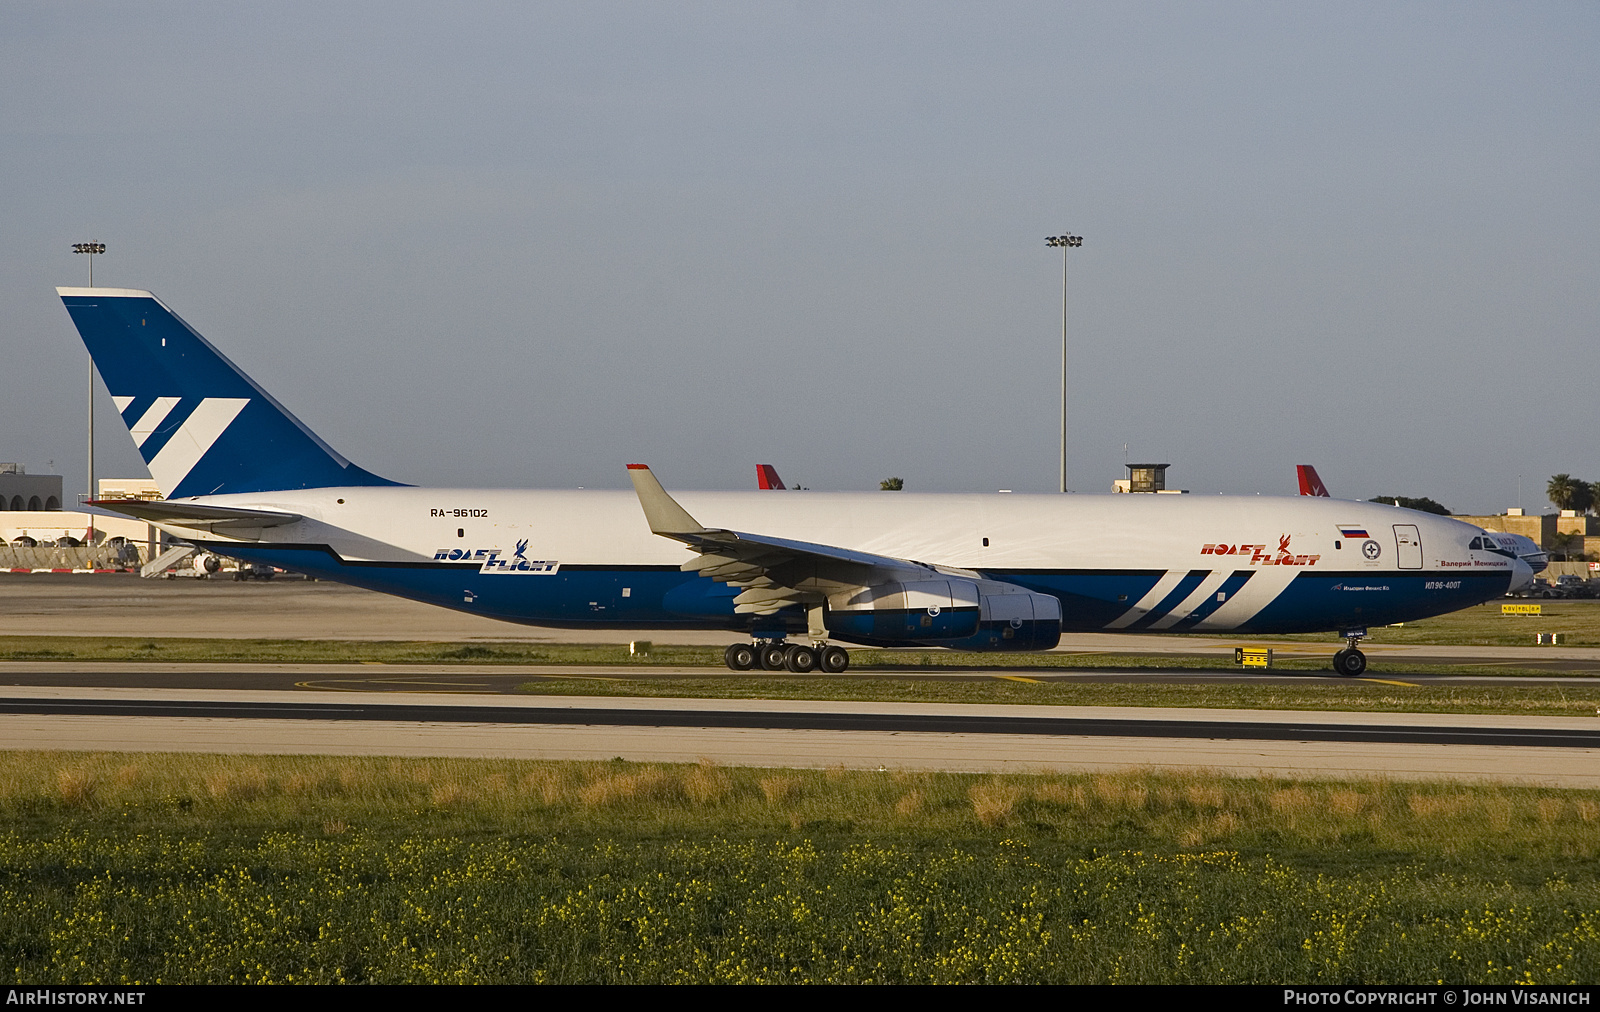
136 409
172 423
1229 587
1184 588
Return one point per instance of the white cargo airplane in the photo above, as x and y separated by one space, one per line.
243 477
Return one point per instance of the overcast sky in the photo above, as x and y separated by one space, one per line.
526 244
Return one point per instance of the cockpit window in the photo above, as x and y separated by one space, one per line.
1499 547
1477 543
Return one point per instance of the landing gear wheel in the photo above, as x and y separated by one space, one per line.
800 658
833 660
740 656
771 656
1350 663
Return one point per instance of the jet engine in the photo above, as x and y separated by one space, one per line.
966 614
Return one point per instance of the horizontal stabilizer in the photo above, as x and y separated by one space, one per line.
194 516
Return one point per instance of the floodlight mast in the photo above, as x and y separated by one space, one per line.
93 249
1065 242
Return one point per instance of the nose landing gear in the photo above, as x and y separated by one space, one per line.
1350 661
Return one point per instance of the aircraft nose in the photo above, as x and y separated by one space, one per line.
1521 575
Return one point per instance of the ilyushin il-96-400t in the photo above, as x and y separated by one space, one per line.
796 574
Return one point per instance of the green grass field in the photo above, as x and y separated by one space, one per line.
1484 625
144 868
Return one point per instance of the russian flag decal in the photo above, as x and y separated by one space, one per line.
1354 532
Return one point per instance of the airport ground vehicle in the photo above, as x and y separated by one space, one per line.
1538 588
1569 583
1574 586
243 477
1563 587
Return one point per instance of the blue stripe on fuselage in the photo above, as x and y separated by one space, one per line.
664 597
1224 593
1344 600
1177 596
572 596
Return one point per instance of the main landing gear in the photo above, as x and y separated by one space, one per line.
775 655
1350 661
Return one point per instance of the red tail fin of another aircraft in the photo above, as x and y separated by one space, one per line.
1310 484
767 476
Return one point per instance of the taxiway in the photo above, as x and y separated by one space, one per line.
1550 751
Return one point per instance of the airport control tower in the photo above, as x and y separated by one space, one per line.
1148 478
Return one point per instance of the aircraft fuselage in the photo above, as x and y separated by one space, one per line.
1134 563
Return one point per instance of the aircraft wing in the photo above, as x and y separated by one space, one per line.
773 572
195 516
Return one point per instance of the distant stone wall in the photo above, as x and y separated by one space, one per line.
1541 528
1584 525
1580 569
103 557
29 491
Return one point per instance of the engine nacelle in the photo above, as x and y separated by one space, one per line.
1013 618
963 614
920 611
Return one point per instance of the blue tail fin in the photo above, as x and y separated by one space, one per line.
203 427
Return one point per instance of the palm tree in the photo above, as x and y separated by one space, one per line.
1561 491
1563 547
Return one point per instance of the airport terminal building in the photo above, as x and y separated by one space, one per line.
21 491
31 511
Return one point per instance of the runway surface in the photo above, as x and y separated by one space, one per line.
1552 751
473 710
772 716
507 678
